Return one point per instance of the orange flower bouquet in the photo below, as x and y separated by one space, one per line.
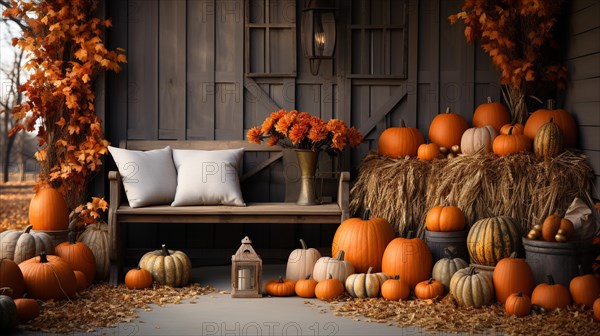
301 130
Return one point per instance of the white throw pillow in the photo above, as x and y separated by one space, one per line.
149 177
208 177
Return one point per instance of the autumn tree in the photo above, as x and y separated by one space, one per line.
64 54
518 35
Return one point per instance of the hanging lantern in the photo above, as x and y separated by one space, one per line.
318 32
246 272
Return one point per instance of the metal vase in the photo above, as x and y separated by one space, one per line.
307 160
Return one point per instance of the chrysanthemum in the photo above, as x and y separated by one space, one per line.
253 135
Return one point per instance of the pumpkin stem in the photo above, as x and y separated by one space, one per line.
551 104
410 234
402 124
510 130
27 228
551 120
43 258
580 269
430 281
519 294
165 252
340 255
307 277
448 110
329 276
304 247
396 277
550 280
366 214
72 238
489 100
280 279
449 253
513 255
472 271
370 269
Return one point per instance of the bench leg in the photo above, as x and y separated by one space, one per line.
115 249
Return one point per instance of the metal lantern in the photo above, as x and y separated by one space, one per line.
318 32
246 272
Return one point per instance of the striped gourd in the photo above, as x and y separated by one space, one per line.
470 288
167 267
548 141
364 285
444 269
492 239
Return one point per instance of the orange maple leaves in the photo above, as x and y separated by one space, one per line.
65 53
515 33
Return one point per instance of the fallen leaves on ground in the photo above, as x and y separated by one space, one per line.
446 316
14 205
104 305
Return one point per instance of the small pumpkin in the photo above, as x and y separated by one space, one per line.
445 219
280 287
168 267
306 287
138 278
27 309
551 295
471 288
492 239
81 281
20 245
548 141
429 289
444 269
79 256
492 114
301 262
446 129
428 152
11 277
512 275
518 304
95 236
48 210
516 128
584 288
552 224
395 289
329 289
48 277
478 139
8 313
363 241
505 144
408 257
365 285
337 267
597 309
563 119
400 141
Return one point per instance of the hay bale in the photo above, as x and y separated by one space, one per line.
522 186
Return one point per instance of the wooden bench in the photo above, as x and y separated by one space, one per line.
120 213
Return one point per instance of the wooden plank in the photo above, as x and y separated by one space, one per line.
260 167
200 144
260 96
589 137
584 90
252 209
378 114
200 71
593 158
584 20
412 54
577 5
584 67
586 114
584 44
142 76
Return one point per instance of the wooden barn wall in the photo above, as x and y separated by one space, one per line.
583 92
208 69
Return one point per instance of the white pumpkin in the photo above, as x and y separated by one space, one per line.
301 262
337 267
476 138
444 269
364 285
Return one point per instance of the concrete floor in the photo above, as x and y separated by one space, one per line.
219 314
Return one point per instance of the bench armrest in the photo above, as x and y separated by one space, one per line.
113 228
343 197
115 189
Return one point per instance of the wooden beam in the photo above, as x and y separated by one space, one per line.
262 166
382 112
260 95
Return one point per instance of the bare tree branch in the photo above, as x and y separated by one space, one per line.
19 22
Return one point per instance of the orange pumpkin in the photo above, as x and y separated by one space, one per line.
48 277
584 289
516 128
551 296
510 143
81 281
138 278
562 118
11 277
512 275
518 304
48 210
363 241
306 287
491 114
552 224
79 256
429 289
27 309
597 309
408 257
400 141
280 287
329 289
395 289
428 152
446 129
445 219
